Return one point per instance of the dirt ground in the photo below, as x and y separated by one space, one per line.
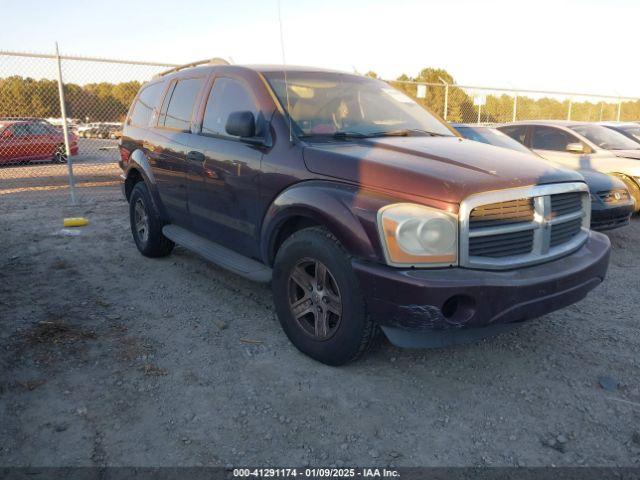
111 358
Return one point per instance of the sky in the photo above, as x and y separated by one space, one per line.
578 46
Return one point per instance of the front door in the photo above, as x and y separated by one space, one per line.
551 144
223 172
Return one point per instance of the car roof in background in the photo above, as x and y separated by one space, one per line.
473 125
558 123
618 124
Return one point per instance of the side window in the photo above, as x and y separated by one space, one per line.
226 96
20 130
549 138
179 107
146 102
38 129
517 132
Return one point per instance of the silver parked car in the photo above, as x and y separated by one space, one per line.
630 130
582 145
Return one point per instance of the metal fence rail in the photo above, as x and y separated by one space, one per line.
72 157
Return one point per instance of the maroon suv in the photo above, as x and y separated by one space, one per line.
360 207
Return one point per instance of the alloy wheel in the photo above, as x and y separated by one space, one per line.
141 221
314 299
60 156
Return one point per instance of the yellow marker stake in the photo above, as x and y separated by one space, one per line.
76 222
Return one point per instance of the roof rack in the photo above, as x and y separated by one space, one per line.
209 61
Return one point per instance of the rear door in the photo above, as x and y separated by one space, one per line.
223 190
172 141
43 140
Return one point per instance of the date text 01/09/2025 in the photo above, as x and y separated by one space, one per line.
316 472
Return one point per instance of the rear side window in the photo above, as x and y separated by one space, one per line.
39 129
20 130
548 138
146 102
177 110
517 132
226 96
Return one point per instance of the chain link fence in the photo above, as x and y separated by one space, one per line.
469 104
38 167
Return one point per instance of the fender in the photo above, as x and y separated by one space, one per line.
138 161
346 210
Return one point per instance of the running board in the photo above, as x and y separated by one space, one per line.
222 256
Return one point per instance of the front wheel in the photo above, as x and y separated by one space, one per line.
146 225
318 298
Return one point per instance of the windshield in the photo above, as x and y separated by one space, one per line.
633 130
605 138
324 103
492 136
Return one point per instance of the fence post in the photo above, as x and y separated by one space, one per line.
65 130
515 107
446 97
479 112
619 109
569 112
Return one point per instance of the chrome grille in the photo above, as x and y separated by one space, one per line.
502 213
564 203
563 232
502 245
523 226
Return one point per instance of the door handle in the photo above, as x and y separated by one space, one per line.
195 156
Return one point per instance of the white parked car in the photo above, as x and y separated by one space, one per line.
582 145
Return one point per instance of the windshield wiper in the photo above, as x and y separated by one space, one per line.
343 134
430 133
381 133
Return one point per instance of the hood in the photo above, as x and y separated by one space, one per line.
635 154
600 182
448 169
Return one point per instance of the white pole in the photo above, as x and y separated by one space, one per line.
619 110
446 97
446 100
65 130
515 107
479 112
569 112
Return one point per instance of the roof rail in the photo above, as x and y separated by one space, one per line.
209 61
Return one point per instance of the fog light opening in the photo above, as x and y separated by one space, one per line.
459 308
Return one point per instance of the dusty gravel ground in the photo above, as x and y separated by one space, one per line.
111 358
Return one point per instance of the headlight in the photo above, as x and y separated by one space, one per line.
415 235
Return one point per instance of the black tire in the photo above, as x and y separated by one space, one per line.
344 338
60 155
152 243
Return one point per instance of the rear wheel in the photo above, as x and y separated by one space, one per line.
146 225
318 298
60 155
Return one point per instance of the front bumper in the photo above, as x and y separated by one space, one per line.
605 217
422 307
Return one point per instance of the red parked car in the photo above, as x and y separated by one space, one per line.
26 139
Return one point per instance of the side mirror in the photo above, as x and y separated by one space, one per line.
241 124
576 147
